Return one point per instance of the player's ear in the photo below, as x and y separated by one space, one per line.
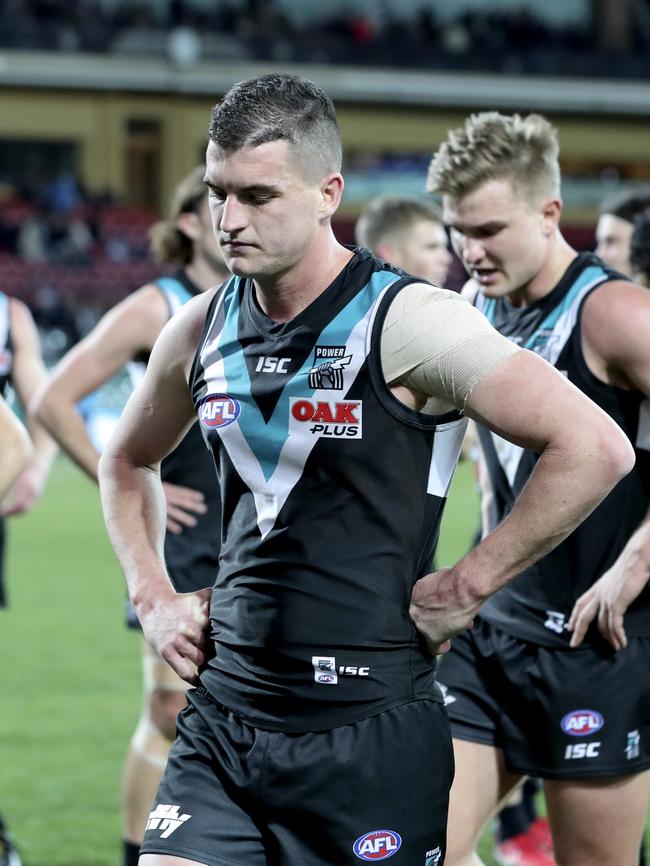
551 212
386 251
189 224
331 191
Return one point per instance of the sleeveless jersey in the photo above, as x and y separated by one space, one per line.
537 604
192 558
332 495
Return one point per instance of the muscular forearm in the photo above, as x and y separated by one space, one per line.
16 450
134 510
566 485
66 426
45 449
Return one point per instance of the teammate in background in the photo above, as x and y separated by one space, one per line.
523 698
409 234
640 249
16 449
125 335
21 366
615 226
319 375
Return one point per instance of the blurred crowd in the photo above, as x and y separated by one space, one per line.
510 40
71 255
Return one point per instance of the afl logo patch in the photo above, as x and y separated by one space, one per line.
377 845
582 723
218 410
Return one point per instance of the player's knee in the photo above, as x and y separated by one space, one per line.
164 705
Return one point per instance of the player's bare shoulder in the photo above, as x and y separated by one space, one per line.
615 316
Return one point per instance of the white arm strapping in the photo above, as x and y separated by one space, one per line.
435 343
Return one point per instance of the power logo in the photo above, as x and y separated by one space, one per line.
218 410
327 418
377 845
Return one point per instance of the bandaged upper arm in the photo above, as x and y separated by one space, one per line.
438 345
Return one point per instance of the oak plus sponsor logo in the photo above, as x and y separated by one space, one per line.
166 817
328 368
334 419
218 410
582 723
377 845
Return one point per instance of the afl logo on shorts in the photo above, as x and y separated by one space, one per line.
377 845
582 723
218 410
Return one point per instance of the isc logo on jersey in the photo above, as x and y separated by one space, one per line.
377 845
331 418
582 723
218 410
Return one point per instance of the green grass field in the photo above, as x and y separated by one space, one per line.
70 680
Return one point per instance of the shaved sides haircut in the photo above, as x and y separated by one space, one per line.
280 107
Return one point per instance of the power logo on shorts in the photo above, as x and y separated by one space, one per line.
582 723
377 845
218 410
166 818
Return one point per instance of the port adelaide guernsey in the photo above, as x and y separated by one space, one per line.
332 494
537 605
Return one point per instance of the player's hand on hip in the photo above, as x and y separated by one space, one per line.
606 602
183 503
23 494
440 610
177 628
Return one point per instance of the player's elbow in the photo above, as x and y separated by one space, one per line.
42 408
611 450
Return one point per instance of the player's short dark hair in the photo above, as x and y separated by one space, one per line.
640 244
388 216
629 204
280 107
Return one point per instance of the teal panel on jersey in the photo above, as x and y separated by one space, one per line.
174 291
589 277
267 439
488 307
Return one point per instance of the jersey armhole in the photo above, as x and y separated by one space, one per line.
387 400
196 371
578 351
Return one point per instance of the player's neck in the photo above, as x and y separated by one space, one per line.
560 255
284 296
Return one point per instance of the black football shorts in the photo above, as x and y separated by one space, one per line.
374 790
556 713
